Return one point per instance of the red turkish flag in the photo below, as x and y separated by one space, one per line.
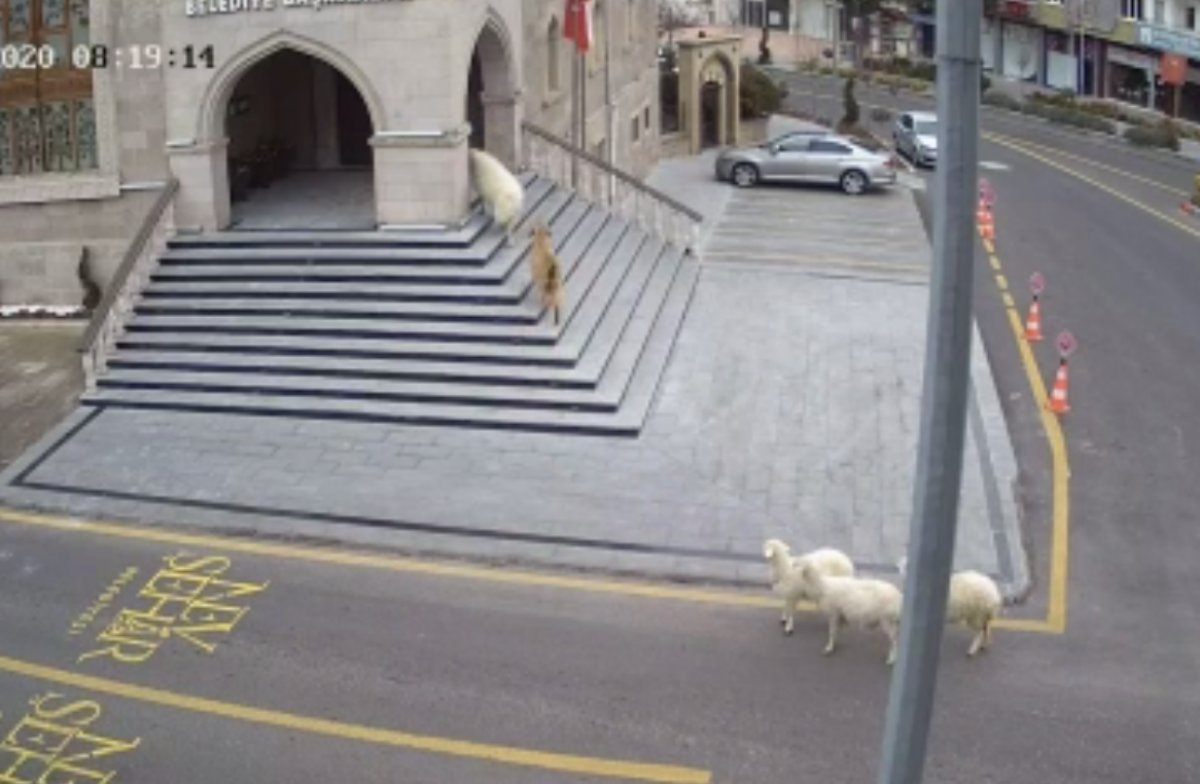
577 23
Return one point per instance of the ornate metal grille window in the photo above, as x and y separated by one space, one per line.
47 114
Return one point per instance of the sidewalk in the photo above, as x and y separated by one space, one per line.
789 409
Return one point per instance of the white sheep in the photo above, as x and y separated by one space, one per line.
502 193
863 602
786 578
974 600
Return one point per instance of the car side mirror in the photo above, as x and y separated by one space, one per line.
773 149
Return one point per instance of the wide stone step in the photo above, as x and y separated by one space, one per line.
511 292
563 212
519 313
588 320
648 288
352 247
627 420
470 230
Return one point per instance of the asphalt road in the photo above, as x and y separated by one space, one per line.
313 666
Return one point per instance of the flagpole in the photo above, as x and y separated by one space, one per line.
576 126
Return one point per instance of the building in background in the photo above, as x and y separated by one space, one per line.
367 107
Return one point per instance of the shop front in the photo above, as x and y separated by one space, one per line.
1180 97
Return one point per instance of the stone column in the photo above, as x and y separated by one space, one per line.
421 177
501 126
203 174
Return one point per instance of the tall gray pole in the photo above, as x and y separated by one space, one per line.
609 109
944 401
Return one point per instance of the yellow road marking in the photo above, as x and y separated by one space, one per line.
1162 216
995 262
509 755
395 563
1056 614
1002 282
989 246
1001 139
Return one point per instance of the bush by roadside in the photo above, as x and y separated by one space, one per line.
760 94
1001 101
1164 135
1064 115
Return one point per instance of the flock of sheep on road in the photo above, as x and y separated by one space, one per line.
827 577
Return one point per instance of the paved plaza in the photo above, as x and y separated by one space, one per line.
789 408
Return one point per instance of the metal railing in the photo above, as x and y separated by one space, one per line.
108 319
557 159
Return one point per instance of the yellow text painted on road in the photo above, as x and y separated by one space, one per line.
56 742
106 598
510 755
1002 139
1029 151
187 600
1056 614
394 563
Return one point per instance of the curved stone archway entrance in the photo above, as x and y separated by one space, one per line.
491 95
298 151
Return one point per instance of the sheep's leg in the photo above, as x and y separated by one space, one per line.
789 615
892 633
987 633
835 623
975 643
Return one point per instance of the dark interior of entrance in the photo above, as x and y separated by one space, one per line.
475 113
298 131
710 114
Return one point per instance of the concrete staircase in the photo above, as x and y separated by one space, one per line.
433 328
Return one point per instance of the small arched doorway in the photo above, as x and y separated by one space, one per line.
710 114
491 101
299 151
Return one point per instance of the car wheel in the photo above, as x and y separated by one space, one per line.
745 175
854 182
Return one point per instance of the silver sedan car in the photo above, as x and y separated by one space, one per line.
915 134
808 157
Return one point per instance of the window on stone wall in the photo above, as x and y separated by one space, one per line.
553 78
47 114
633 129
1131 9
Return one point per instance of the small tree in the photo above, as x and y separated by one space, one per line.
850 110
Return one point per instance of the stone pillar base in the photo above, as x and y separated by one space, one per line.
203 198
421 178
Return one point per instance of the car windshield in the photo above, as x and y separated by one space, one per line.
925 127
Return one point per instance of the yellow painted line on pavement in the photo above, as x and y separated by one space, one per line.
395 563
1056 613
1001 139
507 755
1162 216
1002 282
995 262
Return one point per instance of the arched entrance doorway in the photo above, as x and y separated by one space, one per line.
491 101
299 152
710 114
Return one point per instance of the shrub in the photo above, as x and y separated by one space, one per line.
850 110
881 114
1067 115
1002 101
1163 135
760 95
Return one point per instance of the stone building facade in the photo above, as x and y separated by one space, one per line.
141 91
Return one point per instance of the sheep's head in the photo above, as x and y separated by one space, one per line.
777 554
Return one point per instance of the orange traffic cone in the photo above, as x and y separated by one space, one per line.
1058 397
987 224
1033 324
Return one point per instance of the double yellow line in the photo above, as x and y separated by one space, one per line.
1043 156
